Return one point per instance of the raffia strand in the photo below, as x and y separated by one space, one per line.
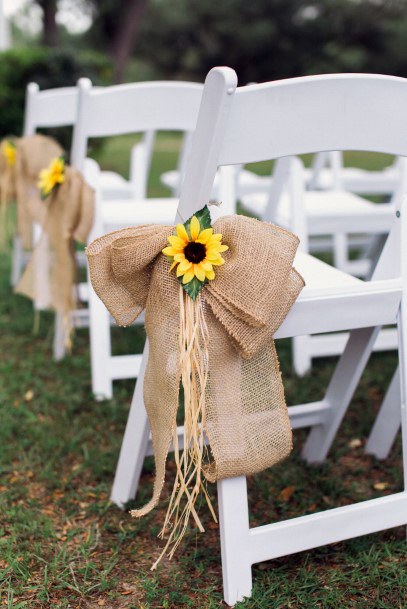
189 481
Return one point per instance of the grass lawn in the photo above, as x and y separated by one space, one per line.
62 545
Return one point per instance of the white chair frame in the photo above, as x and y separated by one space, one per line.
123 109
289 177
272 120
58 107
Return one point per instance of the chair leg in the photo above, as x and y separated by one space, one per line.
302 361
402 331
340 392
234 539
387 422
100 347
340 251
134 445
16 262
58 347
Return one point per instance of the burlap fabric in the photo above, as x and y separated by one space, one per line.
247 422
66 215
34 152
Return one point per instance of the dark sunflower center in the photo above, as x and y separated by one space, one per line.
195 252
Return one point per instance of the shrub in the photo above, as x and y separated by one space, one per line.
49 68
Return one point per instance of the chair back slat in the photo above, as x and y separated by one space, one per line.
314 114
49 108
292 117
133 108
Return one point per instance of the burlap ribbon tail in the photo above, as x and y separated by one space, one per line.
50 277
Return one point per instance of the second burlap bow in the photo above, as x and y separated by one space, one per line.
246 419
65 216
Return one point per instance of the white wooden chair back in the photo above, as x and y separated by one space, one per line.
336 113
133 108
49 108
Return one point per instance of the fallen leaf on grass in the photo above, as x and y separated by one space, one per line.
381 486
286 493
28 396
355 443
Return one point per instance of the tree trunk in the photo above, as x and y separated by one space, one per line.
50 28
126 36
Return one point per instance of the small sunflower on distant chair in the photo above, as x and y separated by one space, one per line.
51 177
9 151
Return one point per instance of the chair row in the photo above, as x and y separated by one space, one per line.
233 127
284 198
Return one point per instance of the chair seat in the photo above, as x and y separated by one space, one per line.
247 181
356 303
361 181
132 212
328 212
321 276
170 179
114 185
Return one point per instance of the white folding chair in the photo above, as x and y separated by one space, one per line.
268 121
345 219
58 107
117 110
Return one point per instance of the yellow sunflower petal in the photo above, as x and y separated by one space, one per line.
223 248
211 256
218 262
199 272
176 242
194 228
214 250
217 236
205 235
210 275
188 277
179 257
206 265
182 233
169 251
183 267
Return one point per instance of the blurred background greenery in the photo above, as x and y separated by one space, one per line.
54 42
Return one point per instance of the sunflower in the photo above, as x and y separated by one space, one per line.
50 177
195 253
9 151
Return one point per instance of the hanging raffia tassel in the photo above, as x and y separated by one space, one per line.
213 336
189 481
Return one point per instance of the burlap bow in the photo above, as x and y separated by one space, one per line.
66 215
247 422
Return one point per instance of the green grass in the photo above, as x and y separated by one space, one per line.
62 545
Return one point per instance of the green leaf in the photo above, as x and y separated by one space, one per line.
193 287
204 217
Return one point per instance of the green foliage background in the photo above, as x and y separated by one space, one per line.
270 39
47 67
